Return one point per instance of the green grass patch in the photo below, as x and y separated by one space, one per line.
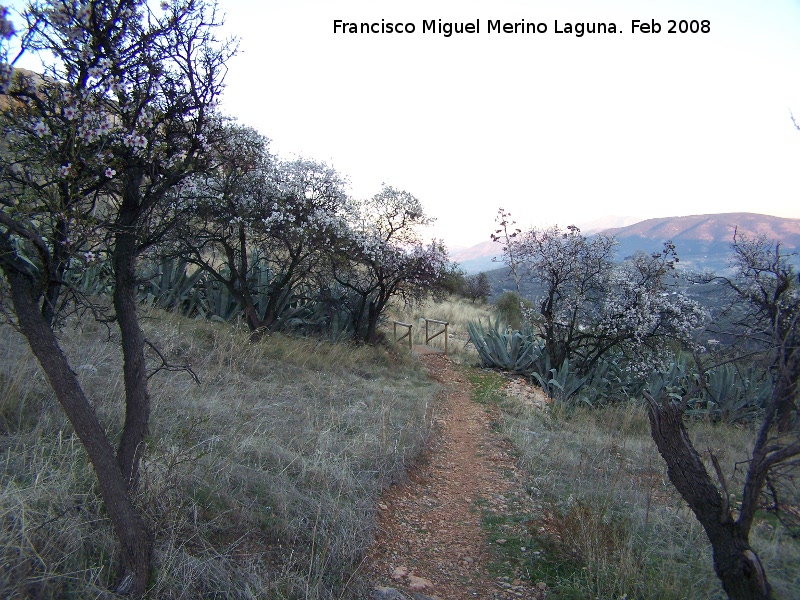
487 386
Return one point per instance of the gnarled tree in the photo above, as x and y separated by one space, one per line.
92 149
589 305
763 314
383 257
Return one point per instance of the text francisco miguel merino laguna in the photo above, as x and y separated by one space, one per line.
447 29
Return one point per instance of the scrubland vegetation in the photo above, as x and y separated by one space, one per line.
261 481
235 446
122 184
603 334
601 518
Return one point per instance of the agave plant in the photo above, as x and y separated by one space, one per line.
516 351
92 279
674 382
607 381
170 286
732 393
220 305
560 384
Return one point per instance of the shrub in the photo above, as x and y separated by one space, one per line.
509 305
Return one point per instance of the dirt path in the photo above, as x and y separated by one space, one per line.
431 542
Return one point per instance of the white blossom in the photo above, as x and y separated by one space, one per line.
41 129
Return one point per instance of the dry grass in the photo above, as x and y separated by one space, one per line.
456 311
607 522
259 483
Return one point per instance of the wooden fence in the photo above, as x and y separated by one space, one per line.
407 334
428 332
429 336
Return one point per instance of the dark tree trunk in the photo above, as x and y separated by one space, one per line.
135 539
358 314
786 391
137 397
735 563
58 267
372 323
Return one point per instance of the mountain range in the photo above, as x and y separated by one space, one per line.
702 241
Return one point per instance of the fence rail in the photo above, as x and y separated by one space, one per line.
407 334
429 337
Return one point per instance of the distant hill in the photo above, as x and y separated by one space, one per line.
603 223
479 257
702 241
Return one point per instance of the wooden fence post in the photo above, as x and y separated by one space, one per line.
407 334
429 337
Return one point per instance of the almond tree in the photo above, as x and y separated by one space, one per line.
93 147
383 257
590 305
258 225
763 314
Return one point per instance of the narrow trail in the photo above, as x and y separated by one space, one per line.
431 543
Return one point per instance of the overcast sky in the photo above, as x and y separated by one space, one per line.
553 127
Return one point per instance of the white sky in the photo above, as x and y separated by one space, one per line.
554 128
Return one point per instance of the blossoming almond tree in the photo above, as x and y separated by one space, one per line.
258 225
383 257
590 305
93 147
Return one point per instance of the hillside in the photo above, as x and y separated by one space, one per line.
480 257
713 227
702 241
278 445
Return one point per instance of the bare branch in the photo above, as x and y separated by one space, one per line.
167 366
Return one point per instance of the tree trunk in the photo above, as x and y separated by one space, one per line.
735 563
374 313
135 539
137 397
358 315
786 391
737 566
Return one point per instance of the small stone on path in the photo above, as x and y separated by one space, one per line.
418 583
387 593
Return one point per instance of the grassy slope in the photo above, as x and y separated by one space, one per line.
601 519
262 481
259 482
